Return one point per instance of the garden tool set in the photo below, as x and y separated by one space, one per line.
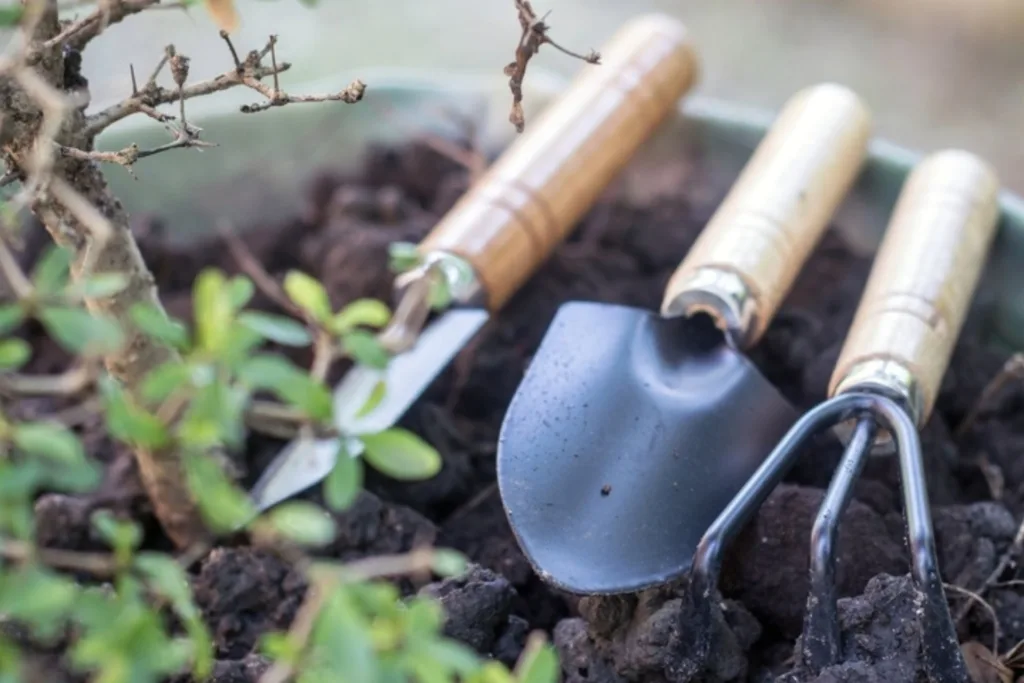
631 431
639 444
885 382
502 230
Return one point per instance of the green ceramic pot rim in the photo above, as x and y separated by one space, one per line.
262 160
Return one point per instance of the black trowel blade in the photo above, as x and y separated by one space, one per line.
625 440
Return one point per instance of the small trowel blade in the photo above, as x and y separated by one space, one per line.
624 441
305 462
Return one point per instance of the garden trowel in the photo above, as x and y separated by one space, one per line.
502 230
631 431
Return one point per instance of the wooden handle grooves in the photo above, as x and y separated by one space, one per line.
509 222
924 277
775 214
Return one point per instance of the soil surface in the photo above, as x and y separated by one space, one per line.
623 252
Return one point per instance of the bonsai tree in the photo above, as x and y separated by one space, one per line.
181 393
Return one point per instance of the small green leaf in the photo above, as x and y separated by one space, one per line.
343 484
14 353
453 655
364 348
302 522
37 597
128 422
168 579
403 256
400 454
538 663
280 647
99 285
215 417
212 309
308 294
276 328
491 672
447 562
376 396
223 505
240 291
289 383
52 441
50 274
361 312
164 380
80 331
341 644
158 325
11 316
123 536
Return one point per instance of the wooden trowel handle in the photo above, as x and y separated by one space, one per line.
745 260
922 282
529 200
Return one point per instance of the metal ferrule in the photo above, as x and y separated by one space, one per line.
887 378
724 296
412 292
461 277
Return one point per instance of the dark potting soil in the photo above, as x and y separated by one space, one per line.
623 252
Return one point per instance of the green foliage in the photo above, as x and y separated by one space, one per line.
401 454
138 621
14 353
345 480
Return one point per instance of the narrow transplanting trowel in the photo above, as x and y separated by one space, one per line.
504 228
631 431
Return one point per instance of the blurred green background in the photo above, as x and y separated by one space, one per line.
936 72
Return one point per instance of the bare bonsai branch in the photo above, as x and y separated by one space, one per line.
534 34
129 155
78 34
98 564
351 94
12 272
68 383
152 96
49 145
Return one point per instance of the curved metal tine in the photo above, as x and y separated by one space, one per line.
943 659
707 560
820 642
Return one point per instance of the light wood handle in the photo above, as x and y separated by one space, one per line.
529 200
745 260
922 281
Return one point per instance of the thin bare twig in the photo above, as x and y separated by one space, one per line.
1008 558
128 156
352 93
151 81
68 383
80 32
1012 370
97 564
154 97
534 34
13 273
251 266
974 598
9 177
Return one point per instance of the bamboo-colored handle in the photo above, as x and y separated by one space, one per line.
922 281
529 200
745 260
